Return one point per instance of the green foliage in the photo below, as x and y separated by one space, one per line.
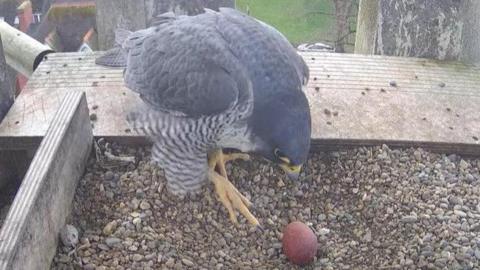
60 12
299 20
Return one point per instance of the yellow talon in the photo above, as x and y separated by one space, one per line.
227 193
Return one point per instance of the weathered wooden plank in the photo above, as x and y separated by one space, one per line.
29 235
433 103
36 105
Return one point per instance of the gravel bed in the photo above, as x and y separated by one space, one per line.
371 208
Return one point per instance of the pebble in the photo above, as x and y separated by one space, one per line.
409 219
112 241
110 227
69 236
103 247
135 203
109 175
456 200
187 262
323 231
418 155
137 257
170 262
109 194
144 205
137 221
459 213
89 266
367 237
150 257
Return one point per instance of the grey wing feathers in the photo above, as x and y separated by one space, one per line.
277 40
301 66
184 68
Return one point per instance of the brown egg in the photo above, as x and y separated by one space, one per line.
299 243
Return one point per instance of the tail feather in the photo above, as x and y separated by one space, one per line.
112 58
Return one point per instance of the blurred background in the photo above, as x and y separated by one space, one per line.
63 24
308 21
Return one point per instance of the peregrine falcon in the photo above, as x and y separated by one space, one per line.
214 81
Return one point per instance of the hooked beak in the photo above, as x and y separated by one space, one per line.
292 171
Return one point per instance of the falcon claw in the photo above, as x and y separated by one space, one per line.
231 198
227 193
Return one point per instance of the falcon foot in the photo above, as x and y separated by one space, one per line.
227 193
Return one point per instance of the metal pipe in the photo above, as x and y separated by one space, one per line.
22 52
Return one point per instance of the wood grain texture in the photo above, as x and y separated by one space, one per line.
111 14
29 235
471 31
442 29
366 27
434 104
420 28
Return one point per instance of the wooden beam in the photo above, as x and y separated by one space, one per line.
28 238
423 102
22 52
7 93
366 27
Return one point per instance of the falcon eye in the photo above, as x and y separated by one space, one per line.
280 156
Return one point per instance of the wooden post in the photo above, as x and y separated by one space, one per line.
112 14
135 14
7 93
22 52
366 27
442 29
471 32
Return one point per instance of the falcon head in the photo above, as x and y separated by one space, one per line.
283 127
